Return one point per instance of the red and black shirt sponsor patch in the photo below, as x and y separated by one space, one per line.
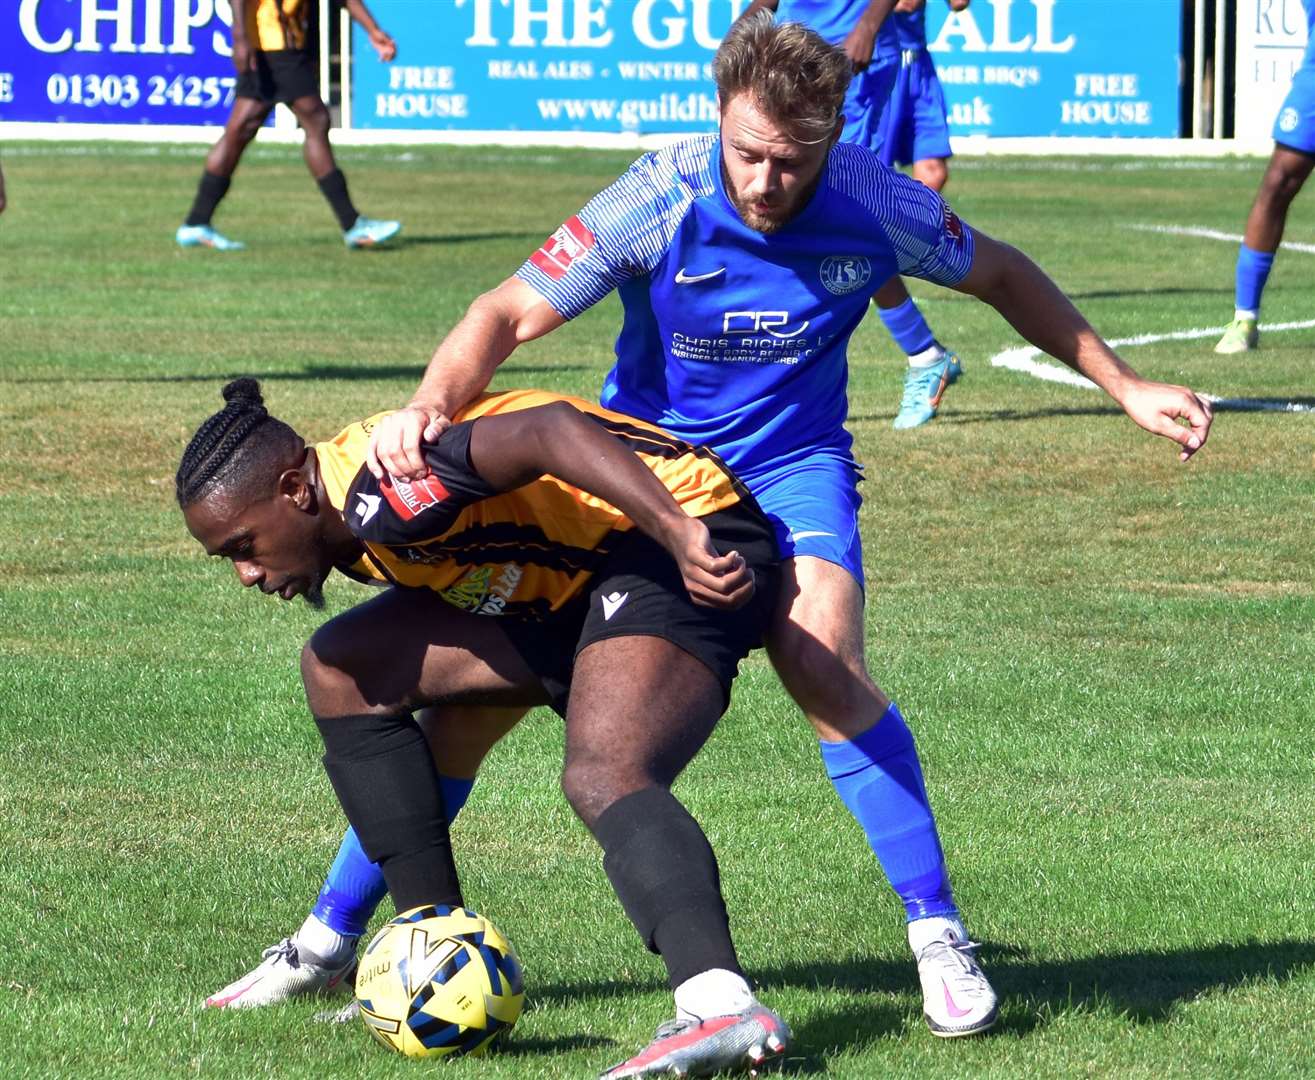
568 244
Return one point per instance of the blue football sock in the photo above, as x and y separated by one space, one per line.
355 886
908 327
878 778
1252 272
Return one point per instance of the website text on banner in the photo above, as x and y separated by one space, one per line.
1010 67
1271 42
116 61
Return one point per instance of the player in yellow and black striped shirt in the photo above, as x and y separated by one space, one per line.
627 572
274 62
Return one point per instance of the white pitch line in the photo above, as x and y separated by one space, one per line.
1023 359
1213 234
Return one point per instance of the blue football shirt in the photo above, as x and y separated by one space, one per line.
732 337
834 19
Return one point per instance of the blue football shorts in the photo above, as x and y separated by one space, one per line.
865 101
813 505
1295 124
913 125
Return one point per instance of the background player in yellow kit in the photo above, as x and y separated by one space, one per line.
274 62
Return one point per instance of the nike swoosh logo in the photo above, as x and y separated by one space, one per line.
950 1006
367 507
795 537
683 278
611 603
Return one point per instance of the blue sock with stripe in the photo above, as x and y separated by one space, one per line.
1252 272
908 327
879 779
355 886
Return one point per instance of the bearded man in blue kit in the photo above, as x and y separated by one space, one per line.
744 262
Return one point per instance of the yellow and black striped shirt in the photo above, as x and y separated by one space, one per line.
273 25
524 552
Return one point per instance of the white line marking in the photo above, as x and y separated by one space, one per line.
1023 359
1213 234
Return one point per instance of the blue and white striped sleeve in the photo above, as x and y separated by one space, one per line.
929 239
621 233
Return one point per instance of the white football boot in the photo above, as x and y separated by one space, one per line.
957 999
284 972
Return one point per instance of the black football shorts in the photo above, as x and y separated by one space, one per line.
283 75
639 593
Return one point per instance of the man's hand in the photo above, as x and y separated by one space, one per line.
724 582
244 56
384 45
396 442
1158 407
858 45
908 7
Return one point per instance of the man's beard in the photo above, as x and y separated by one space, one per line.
759 222
314 596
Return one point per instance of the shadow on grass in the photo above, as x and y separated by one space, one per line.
343 372
563 1044
992 416
1145 986
405 240
1168 290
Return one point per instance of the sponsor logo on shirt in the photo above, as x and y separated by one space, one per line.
953 225
843 274
1288 119
775 323
481 593
569 244
412 498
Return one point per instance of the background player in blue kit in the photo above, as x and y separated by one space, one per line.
867 33
914 129
1289 166
744 262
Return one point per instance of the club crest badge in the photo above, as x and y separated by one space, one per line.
843 274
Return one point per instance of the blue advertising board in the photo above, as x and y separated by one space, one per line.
1059 67
116 61
1010 67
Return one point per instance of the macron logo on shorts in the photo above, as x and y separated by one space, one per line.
612 602
367 507
570 243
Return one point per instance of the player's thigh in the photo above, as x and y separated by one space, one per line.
1288 169
406 649
460 736
816 644
640 709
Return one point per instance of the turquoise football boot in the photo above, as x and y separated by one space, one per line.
370 233
204 236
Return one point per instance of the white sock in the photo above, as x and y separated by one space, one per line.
1242 313
716 992
930 355
323 942
922 932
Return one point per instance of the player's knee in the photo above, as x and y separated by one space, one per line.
591 784
1280 186
314 119
326 662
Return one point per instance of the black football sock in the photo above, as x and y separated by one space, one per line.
209 191
334 187
665 875
383 773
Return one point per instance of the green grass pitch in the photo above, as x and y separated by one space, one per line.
1107 656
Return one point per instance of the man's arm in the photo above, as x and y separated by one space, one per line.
384 45
860 41
513 449
1018 289
244 56
460 368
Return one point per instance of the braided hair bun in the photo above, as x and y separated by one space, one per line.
244 391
